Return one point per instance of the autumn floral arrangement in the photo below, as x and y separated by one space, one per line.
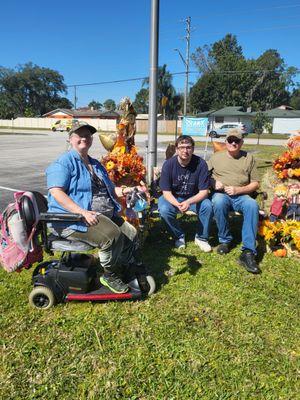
288 164
123 164
124 167
281 231
282 237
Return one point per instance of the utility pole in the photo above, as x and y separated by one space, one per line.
186 62
152 128
75 97
188 40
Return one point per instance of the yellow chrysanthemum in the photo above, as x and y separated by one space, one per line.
269 235
110 165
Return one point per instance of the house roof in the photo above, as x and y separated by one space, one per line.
84 113
107 114
230 111
234 111
57 110
205 113
237 112
280 113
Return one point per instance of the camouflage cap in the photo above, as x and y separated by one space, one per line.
234 132
76 126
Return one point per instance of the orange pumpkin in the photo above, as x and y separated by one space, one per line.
280 253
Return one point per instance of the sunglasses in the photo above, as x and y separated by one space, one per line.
233 139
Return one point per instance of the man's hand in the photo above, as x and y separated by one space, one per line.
91 217
231 190
219 185
183 206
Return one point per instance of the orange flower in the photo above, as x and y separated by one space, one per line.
127 166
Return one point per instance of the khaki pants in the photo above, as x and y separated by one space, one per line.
115 238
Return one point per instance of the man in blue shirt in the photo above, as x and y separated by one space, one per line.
185 182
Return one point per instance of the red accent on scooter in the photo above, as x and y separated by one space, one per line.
99 297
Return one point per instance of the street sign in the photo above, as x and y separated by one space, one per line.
194 126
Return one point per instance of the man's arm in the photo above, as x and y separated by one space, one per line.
237 190
170 198
201 195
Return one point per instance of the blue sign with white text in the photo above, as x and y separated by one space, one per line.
194 126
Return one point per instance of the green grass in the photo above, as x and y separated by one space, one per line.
269 136
211 331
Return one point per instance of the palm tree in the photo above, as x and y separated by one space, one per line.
165 92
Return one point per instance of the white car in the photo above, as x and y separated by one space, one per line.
222 131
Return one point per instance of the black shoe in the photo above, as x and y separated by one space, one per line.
114 283
247 260
224 248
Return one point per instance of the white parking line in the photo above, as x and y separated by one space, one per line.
10 189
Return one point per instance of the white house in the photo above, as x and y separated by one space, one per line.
228 115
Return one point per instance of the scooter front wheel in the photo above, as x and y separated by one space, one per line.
41 297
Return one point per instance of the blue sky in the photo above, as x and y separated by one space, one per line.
98 41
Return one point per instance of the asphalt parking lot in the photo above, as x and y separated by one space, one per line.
25 156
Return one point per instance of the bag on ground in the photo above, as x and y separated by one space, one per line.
19 246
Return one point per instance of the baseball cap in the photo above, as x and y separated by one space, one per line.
76 126
234 132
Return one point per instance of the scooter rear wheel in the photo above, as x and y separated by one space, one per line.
42 297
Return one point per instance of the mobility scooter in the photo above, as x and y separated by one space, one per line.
72 277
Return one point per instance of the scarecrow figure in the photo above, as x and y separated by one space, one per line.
293 209
278 206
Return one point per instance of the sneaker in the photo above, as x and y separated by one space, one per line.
224 248
247 260
203 245
180 243
114 283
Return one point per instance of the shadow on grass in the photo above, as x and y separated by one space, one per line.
159 248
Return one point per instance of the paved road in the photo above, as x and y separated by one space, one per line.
25 156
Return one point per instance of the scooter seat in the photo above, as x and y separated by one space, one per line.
61 244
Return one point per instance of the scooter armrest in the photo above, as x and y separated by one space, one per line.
60 217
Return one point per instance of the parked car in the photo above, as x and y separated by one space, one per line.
222 131
62 125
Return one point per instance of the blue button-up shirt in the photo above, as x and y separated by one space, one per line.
69 173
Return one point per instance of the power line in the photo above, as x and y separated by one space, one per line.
107 82
242 12
178 73
272 28
249 10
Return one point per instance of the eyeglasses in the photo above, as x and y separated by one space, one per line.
181 148
233 139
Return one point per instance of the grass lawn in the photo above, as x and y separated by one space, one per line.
269 135
211 331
